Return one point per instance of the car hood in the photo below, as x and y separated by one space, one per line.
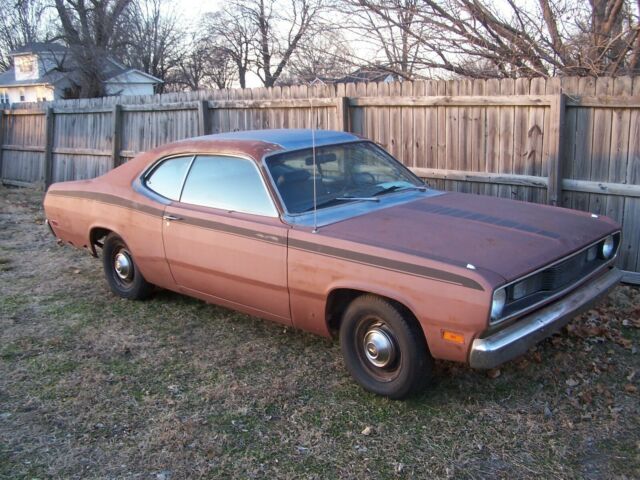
509 238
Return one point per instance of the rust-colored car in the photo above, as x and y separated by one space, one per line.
326 232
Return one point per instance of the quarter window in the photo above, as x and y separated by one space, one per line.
227 183
166 179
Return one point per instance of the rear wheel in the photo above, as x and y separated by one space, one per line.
383 348
123 277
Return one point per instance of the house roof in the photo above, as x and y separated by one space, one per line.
365 74
125 77
110 69
39 47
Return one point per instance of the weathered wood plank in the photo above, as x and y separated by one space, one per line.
2 117
82 152
18 183
204 127
629 256
554 154
569 85
406 139
632 278
47 158
601 188
481 177
465 144
23 148
24 112
419 134
601 145
521 165
342 114
493 137
582 138
535 137
453 100
505 157
116 134
604 101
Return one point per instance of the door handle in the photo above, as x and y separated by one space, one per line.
169 218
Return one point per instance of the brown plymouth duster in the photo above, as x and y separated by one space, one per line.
326 232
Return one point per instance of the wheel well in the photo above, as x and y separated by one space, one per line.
339 300
96 237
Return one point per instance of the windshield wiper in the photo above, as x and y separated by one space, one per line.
366 199
342 199
393 188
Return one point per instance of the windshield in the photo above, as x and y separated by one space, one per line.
343 173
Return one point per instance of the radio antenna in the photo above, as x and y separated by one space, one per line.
313 156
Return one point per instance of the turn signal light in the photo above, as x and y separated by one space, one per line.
453 336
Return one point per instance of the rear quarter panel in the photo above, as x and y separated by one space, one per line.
74 209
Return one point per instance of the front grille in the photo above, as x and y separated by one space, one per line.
569 271
560 276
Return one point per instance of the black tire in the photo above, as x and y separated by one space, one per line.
125 282
402 366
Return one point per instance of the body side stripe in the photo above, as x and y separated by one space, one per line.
395 265
362 258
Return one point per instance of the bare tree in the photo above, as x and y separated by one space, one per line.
233 36
479 38
21 22
394 32
277 27
155 38
203 65
325 56
221 68
93 30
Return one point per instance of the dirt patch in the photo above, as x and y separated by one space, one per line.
92 386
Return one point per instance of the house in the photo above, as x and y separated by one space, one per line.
45 71
363 74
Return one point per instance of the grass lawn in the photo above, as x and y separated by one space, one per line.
93 386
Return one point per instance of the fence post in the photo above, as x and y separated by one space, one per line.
203 118
1 140
47 158
556 133
342 114
116 135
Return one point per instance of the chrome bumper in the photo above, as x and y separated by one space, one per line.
516 339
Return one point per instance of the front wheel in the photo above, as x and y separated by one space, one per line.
383 348
123 277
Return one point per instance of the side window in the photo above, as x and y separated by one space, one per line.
166 178
228 183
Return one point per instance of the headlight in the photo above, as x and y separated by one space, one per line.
607 248
497 305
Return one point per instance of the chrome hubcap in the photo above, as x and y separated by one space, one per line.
379 347
122 265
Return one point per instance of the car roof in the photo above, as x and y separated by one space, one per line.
287 139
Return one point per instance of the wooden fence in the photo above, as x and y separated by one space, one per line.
571 142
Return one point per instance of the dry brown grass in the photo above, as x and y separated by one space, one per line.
92 386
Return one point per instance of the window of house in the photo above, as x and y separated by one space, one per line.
227 183
22 96
25 64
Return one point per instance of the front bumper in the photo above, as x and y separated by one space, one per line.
516 339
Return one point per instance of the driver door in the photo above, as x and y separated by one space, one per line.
224 240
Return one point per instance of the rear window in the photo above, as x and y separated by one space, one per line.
166 179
